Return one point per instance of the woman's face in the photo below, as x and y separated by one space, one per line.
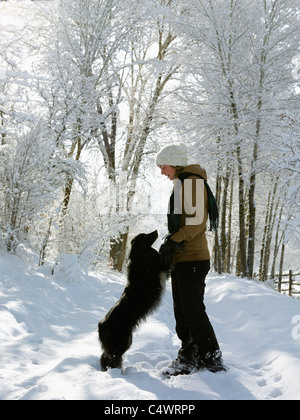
168 171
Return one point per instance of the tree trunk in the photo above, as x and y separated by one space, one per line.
70 179
217 250
252 215
224 238
118 251
272 209
242 238
229 263
281 264
42 256
277 244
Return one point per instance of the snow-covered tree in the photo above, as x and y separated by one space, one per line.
29 180
109 65
240 82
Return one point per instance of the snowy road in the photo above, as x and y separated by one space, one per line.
49 347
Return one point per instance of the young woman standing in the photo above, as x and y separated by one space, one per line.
186 248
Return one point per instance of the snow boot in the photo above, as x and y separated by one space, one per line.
185 363
212 362
178 367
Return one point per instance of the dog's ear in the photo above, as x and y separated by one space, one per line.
139 239
145 240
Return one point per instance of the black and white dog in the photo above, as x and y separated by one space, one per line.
143 292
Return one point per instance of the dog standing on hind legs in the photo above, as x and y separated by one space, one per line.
142 295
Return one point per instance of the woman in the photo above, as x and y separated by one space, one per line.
186 247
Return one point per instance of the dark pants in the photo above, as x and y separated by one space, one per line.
192 324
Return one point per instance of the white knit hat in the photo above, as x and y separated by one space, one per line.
173 155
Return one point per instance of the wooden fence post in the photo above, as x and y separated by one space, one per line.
279 281
290 282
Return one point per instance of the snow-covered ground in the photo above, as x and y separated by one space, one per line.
49 346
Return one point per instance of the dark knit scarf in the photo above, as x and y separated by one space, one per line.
174 215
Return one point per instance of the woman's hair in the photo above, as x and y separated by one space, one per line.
179 170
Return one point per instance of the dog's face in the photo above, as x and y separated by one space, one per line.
141 245
145 240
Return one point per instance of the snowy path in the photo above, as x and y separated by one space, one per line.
49 347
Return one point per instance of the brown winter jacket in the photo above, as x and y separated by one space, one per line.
193 225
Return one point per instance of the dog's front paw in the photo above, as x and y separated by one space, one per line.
110 362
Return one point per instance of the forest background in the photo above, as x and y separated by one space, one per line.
90 90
